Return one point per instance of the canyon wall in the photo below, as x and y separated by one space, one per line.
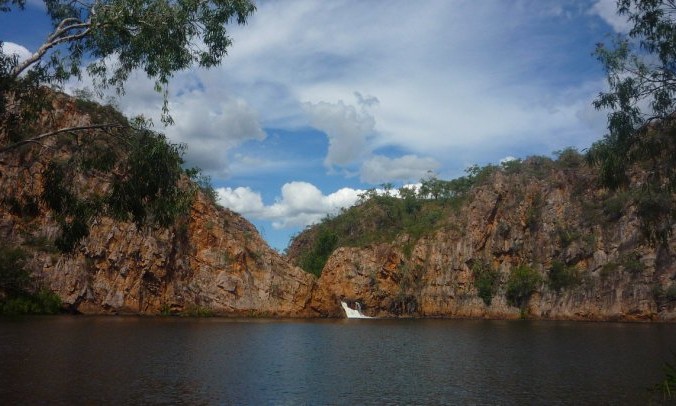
508 222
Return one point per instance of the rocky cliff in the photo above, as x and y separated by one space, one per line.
210 261
584 245
536 239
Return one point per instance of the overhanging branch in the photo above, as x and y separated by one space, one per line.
60 131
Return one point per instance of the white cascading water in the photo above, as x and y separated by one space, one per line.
352 313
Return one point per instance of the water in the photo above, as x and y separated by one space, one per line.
353 313
134 360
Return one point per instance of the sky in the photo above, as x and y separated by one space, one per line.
318 101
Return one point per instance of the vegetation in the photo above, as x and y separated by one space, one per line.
666 390
314 261
381 217
19 294
641 122
486 281
146 184
522 283
197 311
562 277
108 40
117 37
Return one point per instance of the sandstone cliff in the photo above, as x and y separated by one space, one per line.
555 219
210 261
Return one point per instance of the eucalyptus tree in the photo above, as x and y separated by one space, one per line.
641 100
108 40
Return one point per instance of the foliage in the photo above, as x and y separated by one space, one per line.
13 278
631 263
148 189
146 186
569 158
567 236
522 283
203 182
512 166
17 294
197 311
615 205
667 388
561 276
534 213
117 37
486 281
42 302
641 100
314 261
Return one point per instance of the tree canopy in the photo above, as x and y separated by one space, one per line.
641 100
111 38
108 39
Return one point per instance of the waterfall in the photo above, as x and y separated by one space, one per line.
352 313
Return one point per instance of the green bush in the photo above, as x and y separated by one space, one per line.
562 277
569 158
13 278
670 293
42 302
198 311
486 281
632 263
522 283
567 236
314 261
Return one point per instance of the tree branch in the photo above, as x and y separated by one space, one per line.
60 131
54 39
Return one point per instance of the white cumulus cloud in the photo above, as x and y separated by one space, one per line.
607 10
10 48
346 127
380 169
300 204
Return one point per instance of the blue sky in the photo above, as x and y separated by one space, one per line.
320 100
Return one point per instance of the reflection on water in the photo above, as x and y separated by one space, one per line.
95 360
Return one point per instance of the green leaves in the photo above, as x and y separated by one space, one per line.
486 281
148 188
112 38
641 100
522 283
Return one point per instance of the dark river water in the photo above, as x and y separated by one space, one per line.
134 360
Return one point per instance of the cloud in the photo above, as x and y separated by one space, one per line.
300 204
10 48
241 200
347 129
508 158
209 119
457 82
607 10
212 129
450 77
380 169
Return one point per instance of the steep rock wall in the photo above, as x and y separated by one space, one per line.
511 221
212 260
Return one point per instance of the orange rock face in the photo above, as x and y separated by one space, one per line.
510 222
211 261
